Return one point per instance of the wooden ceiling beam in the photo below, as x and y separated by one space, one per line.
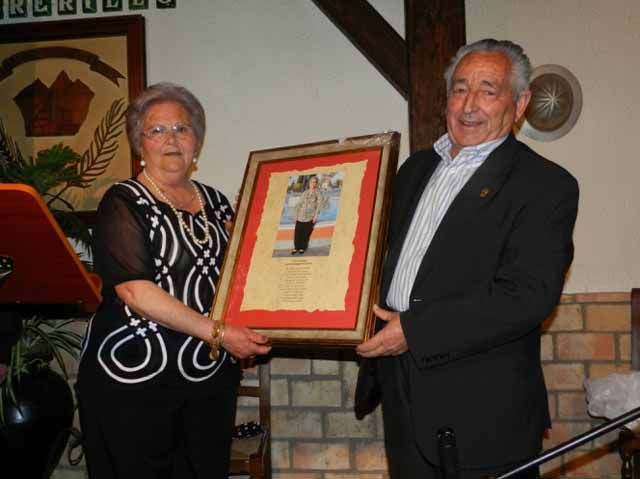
373 36
435 29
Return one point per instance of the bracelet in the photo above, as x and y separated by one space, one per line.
221 336
217 336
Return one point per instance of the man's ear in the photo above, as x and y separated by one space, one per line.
522 103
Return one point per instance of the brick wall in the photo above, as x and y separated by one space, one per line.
314 432
588 336
316 436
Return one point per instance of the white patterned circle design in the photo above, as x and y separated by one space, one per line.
147 338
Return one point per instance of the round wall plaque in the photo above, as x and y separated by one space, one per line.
556 102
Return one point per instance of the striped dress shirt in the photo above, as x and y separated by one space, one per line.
447 180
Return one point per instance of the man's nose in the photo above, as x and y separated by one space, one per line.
470 102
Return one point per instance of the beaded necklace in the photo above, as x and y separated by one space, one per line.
192 233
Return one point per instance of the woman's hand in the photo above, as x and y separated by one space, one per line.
243 342
149 300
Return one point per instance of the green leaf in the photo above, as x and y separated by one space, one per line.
73 227
41 341
55 350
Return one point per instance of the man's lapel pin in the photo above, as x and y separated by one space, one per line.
484 192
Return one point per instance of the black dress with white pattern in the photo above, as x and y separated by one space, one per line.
137 237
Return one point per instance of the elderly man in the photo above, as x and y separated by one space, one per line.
479 243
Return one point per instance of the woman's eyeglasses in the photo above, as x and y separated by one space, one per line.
160 133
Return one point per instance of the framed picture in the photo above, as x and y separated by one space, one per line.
70 82
304 259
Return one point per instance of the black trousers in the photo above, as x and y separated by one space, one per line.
156 435
405 459
302 233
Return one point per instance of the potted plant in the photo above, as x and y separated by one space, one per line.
36 403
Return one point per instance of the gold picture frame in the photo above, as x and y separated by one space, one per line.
319 294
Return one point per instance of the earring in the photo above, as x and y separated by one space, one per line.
194 160
142 162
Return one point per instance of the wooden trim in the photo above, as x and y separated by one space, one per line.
373 36
257 464
435 31
635 328
597 297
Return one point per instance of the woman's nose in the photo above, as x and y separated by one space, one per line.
172 136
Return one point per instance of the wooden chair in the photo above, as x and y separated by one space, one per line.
628 441
252 455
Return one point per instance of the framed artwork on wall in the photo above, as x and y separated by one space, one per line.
304 259
69 82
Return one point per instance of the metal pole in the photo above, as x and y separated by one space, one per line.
575 442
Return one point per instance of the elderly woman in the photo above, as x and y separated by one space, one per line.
306 212
158 379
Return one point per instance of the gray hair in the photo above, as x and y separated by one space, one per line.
163 93
520 64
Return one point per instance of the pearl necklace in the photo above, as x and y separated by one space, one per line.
192 233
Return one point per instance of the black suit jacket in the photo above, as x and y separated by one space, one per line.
493 272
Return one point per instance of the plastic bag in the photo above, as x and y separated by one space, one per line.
614 395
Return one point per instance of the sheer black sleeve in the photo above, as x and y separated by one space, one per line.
121 246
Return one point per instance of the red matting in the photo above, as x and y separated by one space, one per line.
46 269
302 319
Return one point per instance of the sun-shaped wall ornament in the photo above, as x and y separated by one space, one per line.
555 105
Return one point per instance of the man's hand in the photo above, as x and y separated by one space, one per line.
389 341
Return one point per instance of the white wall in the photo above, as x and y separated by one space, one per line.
274 73
598 42
269 74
